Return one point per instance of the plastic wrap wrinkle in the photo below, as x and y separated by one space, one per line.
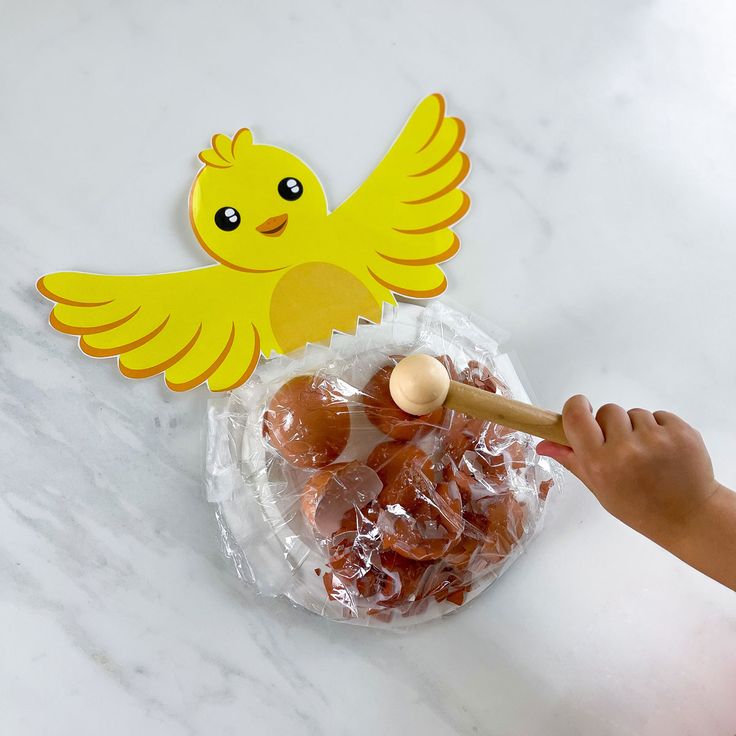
331 496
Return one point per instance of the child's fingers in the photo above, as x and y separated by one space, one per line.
580 426
614 421
665 418
562 454
642 419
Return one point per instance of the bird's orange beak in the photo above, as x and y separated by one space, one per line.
274 226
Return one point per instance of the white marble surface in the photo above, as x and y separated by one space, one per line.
602 235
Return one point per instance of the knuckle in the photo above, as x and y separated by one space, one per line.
657 439
634 451
607 410
667 417
627 453
577 402
684 435
576 410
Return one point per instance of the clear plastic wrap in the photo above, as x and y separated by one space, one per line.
329 495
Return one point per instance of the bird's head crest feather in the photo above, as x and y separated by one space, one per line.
225 151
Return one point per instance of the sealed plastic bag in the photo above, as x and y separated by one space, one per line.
329 494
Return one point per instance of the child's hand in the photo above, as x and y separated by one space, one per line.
653 472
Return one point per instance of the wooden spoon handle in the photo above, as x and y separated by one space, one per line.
510 413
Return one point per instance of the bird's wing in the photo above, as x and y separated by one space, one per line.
400 217
199 325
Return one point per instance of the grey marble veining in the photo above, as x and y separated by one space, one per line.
601 236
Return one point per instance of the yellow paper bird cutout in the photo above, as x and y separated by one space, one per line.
289 271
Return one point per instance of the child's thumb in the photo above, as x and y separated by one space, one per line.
561 453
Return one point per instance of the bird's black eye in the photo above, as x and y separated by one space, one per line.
227 218
290 188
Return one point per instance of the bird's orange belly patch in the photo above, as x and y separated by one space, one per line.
312 300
